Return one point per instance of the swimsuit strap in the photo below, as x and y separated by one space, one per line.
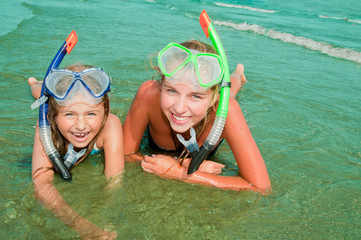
174 139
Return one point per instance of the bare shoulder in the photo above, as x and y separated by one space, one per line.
148 91
112 130
234 109
113 119
113 123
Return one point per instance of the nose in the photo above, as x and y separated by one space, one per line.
181 105
80 124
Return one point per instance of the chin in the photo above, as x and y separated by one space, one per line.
180 129
80 145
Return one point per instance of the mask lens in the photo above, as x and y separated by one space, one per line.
209 70
96 81
58 83
172 59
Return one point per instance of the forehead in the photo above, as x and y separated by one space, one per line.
79 103
187 88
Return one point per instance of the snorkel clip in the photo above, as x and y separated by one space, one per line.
191 144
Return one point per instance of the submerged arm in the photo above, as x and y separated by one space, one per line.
48 195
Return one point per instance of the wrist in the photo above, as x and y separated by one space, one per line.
133 157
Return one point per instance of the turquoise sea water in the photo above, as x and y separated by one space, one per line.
301 101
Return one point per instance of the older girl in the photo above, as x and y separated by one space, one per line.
177 103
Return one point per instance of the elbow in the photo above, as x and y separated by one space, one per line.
39 192
43 186
264 188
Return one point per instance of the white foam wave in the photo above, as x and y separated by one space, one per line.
244 7
326 48
342 18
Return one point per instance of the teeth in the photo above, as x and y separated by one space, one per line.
180 118
81 135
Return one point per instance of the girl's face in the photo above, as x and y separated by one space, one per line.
80 121
183 106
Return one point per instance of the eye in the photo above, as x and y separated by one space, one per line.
91 114
171 90
69 114
196 97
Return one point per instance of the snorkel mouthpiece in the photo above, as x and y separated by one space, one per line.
71 157
44 126
191 144
222 109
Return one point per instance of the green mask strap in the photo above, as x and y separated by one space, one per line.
200 155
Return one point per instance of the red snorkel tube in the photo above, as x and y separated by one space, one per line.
44 126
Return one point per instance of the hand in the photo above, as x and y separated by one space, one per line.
88 230
206 167
164 166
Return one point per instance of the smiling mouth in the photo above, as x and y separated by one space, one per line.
179 119
80 135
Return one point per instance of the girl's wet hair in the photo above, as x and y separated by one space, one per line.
199 46
59 140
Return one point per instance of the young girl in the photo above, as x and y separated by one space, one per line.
79 123
178 103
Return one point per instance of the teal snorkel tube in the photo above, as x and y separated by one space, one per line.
199 155
42 103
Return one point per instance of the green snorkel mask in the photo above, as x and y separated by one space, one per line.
200 154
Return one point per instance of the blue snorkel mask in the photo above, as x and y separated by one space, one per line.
42 103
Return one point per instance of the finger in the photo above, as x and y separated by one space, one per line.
145 169
146 166
160 156
220 165
215 164
185 162
149 159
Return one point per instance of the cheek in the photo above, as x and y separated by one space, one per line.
165 101
62 124
95 123
200 108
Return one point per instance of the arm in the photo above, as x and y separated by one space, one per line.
253 173
247 155
112 138
137 120
168 167
48 195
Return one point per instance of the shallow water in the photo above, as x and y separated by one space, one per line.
301 101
